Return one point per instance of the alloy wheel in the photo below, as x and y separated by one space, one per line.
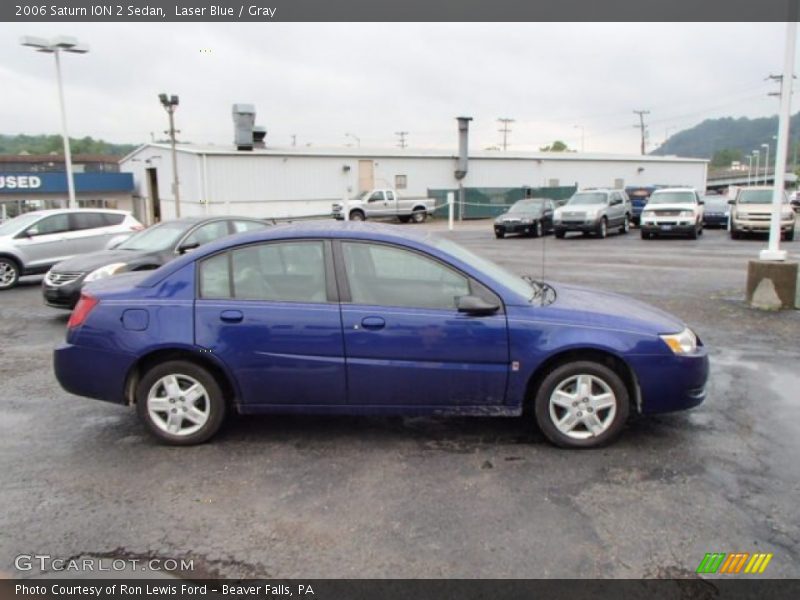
178 404
583 406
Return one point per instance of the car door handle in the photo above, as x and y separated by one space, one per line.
231 316
373 323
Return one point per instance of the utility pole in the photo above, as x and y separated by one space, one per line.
402 141
294 139
641 126
170 103
505 130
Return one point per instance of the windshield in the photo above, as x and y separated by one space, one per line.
361 196
19 223
156 238
500 274
672 198
587 198
716 203
756 197
526 206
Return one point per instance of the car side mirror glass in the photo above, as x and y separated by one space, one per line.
475 305
731 201
701 202
188 247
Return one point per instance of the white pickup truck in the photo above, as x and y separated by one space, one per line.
386 204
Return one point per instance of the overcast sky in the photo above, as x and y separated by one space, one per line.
320 81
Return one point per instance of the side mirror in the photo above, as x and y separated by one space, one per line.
188 247
701 202
475 305
731 201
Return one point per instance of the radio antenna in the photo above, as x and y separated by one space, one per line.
544 243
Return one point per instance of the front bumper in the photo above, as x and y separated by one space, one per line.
671 383
759 226
587 226
62 296
669 227
525 228
715 221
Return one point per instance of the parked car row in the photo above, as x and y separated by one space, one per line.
678 211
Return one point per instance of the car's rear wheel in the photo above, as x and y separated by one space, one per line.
357 215
9 273
180 403
581 404
419 216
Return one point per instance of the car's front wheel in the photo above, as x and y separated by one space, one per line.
180 403
538 229
602 228
581 404
9 273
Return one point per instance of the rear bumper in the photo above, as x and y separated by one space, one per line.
672 383
98 374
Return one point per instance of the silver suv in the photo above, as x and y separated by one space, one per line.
33 242
594 211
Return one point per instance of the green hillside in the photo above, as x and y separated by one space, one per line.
46 144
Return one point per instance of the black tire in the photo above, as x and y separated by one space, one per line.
693 233
404 218
646 235
735 235
602 228
564 373
499 234
9 273
418 216
560 234
213 402
357 215
626 225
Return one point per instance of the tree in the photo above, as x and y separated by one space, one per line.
557 146
726 156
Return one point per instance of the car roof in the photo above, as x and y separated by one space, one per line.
674 189
60 211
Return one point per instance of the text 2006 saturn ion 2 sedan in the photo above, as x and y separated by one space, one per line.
368 319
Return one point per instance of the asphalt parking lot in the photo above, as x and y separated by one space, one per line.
406 498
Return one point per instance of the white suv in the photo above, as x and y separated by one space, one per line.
33 242
673 211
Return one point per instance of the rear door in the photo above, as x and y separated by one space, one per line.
89 231
406 344
270 312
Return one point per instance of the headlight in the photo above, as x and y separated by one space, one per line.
526 221
648 214
104 272
684 342
686 213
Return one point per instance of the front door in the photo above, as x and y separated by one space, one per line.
406 344
269 312
46 242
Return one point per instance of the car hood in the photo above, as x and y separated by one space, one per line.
671 206
759 209
597 308
581 207
94 260
519 215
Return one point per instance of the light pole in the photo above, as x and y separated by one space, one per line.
355 137
170 103
583 135
766 163
749 168
55 47
757 154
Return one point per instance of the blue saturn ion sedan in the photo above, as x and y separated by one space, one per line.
355 318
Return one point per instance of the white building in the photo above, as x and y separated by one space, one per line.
305 181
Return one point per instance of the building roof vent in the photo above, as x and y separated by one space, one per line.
259 133
244 119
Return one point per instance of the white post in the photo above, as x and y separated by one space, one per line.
346 207
773 252
450 202
766 167
64 134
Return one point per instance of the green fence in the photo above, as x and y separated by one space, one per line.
484 203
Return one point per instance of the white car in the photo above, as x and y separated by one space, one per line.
33 242
673 211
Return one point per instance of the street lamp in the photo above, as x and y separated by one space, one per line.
355 137
583 135
766 163
55 47
170 103
749 168
757 154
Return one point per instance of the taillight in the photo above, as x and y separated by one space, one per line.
82 310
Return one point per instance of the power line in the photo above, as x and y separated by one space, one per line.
505 130
641 126
402 141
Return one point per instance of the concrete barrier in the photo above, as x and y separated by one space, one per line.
772 285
